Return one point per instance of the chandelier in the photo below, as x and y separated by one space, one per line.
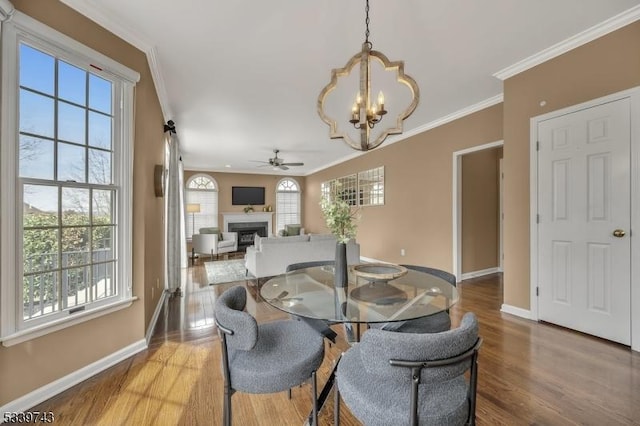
367 112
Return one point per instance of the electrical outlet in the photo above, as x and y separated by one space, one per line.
402 252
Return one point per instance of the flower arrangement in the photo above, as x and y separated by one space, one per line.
340 218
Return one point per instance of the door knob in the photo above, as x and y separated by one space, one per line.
619 233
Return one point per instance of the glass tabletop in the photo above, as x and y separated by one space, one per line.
311 293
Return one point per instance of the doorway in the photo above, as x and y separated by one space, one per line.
475 223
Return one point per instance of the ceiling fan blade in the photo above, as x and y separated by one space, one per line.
283 167
293 164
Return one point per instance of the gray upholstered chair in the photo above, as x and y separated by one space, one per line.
320 326
376 377
265 358
435 323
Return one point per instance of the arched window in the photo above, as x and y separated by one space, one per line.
202 190
287 203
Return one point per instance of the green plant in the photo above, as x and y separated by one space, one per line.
340 218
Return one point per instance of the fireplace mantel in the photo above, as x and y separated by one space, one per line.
236 217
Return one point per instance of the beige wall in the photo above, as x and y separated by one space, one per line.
417 215
28 366
603 66
227 180
480 204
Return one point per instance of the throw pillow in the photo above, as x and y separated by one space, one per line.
292 229
282 233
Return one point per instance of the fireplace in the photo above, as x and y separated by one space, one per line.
247 231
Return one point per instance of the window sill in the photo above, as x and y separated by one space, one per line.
62 323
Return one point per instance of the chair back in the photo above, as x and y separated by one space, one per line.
432 271
204 243
379 347
241 328
311 264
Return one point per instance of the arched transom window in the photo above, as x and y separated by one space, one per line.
287 203
202 203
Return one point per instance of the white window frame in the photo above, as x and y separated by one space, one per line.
189 218
13 329
280 223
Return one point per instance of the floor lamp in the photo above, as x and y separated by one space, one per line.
193 209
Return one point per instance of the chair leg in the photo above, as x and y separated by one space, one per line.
289 393
226 416
314 394
336 404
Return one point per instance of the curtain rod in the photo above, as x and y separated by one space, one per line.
170 126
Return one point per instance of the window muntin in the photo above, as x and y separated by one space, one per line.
287 203
202 189
66 181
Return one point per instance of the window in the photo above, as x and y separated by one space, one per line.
202 190
287 203
67 242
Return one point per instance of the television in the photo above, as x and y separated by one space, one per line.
243 195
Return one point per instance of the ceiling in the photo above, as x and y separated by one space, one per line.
241 78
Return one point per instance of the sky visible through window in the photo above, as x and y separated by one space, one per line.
79 148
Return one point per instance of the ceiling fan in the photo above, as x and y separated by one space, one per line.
278 163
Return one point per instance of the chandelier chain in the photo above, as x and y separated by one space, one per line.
366 22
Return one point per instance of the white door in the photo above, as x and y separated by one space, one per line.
584 280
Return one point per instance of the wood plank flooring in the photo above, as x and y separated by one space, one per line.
530 373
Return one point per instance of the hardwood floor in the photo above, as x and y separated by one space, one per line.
530 373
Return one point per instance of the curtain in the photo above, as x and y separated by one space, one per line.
176 246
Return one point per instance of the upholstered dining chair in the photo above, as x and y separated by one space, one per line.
265 358
411 378
433 323
319 325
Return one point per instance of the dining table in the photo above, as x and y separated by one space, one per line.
383 294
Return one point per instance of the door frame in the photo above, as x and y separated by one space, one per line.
457 202
634 97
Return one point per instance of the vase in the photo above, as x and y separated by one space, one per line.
340 267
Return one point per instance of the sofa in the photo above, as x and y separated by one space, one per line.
270 256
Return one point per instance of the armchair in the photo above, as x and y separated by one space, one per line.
408 378
211 244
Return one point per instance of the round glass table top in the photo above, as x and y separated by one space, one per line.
311 293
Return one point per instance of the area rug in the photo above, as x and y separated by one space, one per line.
225 271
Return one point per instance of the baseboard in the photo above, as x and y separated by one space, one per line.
52 389
154 318
481 273
514 310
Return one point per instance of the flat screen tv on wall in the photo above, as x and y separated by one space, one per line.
244 195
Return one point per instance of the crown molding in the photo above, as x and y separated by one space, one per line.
603 28
106 20
158 81
494 100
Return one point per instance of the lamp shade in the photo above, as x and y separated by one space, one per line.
193 208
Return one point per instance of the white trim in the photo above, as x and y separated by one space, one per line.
6 10
514 310
58 386
480 273
457 201
158 82
25 24
634 95
494 100
603 28
100 16
62 323
154 318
